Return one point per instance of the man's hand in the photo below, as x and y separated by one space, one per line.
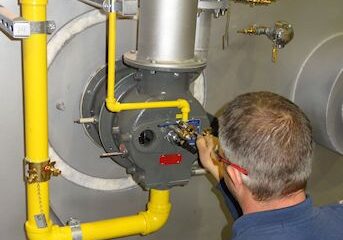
206 146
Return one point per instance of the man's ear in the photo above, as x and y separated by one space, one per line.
235 175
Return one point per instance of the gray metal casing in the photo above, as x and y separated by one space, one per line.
149 172
142 160
166 36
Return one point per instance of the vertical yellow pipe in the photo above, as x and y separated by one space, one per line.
111 55
35 108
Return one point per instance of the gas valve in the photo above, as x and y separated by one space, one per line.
280 34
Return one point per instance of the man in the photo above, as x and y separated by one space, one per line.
262 166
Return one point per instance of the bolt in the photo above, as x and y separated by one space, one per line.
141 178
138 76
216 13
115 130
60 106
126 137
131 170
51 26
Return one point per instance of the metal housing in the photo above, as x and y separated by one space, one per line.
166 35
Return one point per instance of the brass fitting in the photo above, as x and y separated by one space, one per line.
52 169
40 172
280 34
253 30
255 2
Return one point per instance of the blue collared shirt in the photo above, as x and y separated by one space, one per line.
299 222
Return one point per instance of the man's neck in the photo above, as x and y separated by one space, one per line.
250 205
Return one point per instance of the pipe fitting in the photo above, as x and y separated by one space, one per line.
53 232
157 212
185 108
112 105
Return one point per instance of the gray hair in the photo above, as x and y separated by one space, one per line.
270 137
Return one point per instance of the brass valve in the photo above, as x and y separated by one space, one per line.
255 2
52 169
40 172
280 34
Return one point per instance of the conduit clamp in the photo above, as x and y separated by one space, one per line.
75 226
40 172
123 7
18 28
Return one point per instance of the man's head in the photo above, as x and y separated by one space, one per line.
270 137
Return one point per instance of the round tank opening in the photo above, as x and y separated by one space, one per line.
146 137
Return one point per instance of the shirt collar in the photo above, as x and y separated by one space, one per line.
274 217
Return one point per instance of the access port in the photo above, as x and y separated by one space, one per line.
146 137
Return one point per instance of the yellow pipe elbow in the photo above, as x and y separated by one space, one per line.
158 211
185 109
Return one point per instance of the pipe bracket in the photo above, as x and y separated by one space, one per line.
75 226
47 27
17 27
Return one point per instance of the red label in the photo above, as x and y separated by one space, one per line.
170 159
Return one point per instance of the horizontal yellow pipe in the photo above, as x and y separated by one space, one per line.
149 221
111 103
143 223
113 228
114 106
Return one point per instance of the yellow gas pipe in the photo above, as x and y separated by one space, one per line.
111 103
36 151
36 111
143 223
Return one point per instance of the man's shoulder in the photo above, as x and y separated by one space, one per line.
332 210
319 223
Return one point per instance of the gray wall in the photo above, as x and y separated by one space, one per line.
244 66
